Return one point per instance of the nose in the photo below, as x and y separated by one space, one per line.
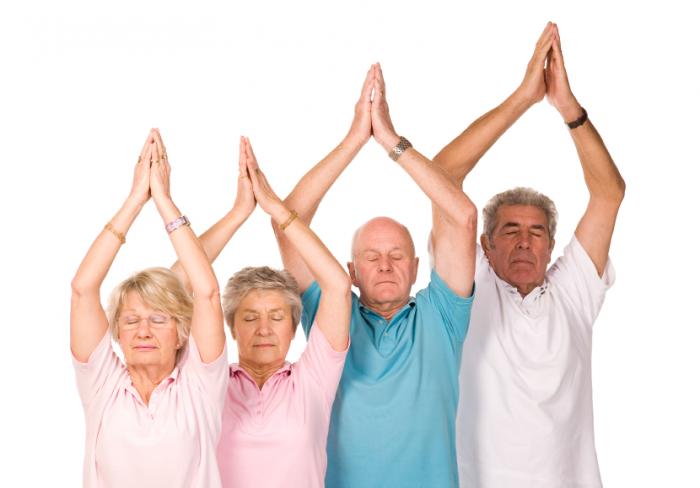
524 241
385 264
264 328
144 328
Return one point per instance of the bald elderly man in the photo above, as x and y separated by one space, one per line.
525 415
393 418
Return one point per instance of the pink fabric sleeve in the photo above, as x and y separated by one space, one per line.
102 368
322 364
211 378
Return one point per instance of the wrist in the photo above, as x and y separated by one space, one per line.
521 101
570 110
280 214
389 141
353 142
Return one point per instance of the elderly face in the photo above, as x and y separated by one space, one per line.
520 248
263 328
147 337
384 265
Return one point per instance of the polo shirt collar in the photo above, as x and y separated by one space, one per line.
535 295
235 369
402 311
171 378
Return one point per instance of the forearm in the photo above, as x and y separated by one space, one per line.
324 268
445 195
313 186
94 267
602 177
190 253
460 156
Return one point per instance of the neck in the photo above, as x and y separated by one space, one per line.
146 378
260 372
386 310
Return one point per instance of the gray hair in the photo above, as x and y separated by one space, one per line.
260 278
520 196
161 289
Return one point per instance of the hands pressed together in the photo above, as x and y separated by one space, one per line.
152 171
372 113
546 76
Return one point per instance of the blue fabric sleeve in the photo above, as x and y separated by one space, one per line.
454 309
309 302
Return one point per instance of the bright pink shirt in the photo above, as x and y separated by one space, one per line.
276 437
171 442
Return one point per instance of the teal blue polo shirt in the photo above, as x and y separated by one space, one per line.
393 419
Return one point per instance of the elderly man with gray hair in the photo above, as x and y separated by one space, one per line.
525 416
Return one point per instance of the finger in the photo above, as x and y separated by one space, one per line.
378 94
380 78
544 44
145 150
546 33
251 155
557 46
241 158
366 95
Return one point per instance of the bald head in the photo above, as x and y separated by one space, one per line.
384 231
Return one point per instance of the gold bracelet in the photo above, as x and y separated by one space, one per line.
291 218
116 233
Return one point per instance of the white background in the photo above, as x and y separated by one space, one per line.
81 83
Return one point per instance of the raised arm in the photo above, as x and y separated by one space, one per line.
605 184
207 318
216 237
460 156
88 321
308 193
333 315
453 237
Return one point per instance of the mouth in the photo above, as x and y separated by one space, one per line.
264 345
144 348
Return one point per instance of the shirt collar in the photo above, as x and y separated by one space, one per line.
235 369
536 293
171 378
368 311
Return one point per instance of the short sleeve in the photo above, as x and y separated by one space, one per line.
576 276
211 377
454 310
102 368
309 301
322 364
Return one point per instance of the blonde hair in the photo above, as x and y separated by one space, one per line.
161 289
520 196
260 278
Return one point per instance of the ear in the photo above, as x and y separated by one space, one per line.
551 248
414 271
485 244
353 276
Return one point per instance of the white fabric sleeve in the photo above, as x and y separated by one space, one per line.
575 274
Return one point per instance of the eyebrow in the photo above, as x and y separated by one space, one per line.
278 309
516 225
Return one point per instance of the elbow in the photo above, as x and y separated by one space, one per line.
465 214
341 286
80 288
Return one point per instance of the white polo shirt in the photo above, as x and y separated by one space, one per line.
525 416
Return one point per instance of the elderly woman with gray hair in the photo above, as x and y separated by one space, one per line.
276 418
154 419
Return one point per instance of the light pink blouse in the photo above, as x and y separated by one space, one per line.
276 436
171 442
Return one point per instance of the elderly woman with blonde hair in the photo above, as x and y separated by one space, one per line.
154 419
276 417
